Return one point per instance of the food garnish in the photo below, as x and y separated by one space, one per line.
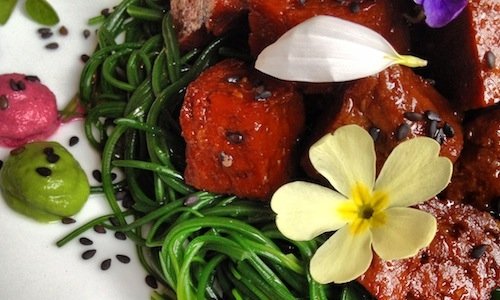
42 180
39 11
330 49
439 13
365 212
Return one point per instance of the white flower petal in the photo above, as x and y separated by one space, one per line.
305 210
406 232
345 158
326 49
414 172
343 257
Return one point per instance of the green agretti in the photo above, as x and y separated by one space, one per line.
197 244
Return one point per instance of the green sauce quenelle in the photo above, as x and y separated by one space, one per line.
43 181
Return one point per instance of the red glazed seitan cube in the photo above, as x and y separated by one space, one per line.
462 262
199 20
394 105
464 56
476 178
241 128
270 19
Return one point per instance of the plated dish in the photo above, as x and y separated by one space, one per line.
189 129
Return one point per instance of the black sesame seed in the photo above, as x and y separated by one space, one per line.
105 12
84 58
73 141
374 133
433 128
120 195
53 158
52 46
46 34
63 30
120 235
432 115
86 241
413 116
106 264
151 282
114 221
490 59
302 2
478 251
99 229
233 79
1 164
234 137
32 78
128 202
113 176
263 96
43 30
354 7
440 136
97 175
17 151
424 258
448 130
44 171
4 102
14 85
123 258
89 254
402 131
68 220
48 150
86 33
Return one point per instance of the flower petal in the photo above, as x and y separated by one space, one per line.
438 13
326 49
345 158
414 172
406 231
343 257
305 210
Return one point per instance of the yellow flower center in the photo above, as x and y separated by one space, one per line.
365 209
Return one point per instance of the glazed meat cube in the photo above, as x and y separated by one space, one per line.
241 128
198 20
462 262
476 178
465 55
270 19
395 105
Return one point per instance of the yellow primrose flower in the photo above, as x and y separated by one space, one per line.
365 213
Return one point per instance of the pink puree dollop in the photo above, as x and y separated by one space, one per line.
28 110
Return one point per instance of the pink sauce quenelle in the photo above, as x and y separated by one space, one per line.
28 110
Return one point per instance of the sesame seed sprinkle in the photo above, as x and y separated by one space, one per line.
89 254
402 131
120 236
478 251
490 59
86 33
4 102
99 229
374 133
106 264
68 220
234 137
123 258
151 281
413 116
52 46
43 171
73 141
53 158
85 241
32 78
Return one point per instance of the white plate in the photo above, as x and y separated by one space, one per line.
31 265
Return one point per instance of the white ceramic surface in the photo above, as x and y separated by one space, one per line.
31 265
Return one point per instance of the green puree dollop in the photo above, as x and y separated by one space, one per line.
43 181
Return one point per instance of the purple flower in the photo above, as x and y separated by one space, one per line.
438 13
